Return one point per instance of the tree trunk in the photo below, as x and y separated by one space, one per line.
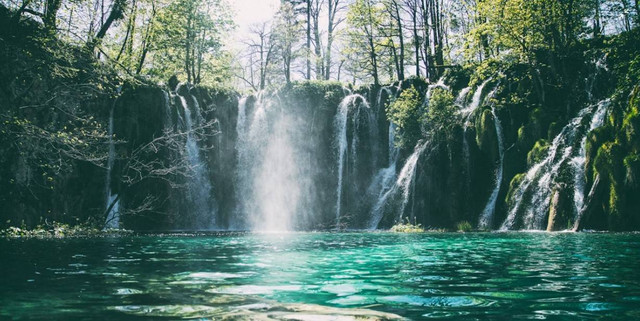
372 49
308 39
596 20
115 14
128 34
416 40
401 38
147 39
332 8
50 14
317 48
187 48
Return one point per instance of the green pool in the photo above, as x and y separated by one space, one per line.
323 276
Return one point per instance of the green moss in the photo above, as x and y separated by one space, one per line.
513 186
632 166
330 93
538 152
484 124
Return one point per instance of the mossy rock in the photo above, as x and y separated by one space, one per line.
486 136
538 152
632 167
560 209
554 130
513 186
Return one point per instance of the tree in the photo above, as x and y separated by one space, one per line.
405 112
334 7
364 19
263 45
287 29
189 33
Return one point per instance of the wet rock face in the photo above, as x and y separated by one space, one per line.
560 210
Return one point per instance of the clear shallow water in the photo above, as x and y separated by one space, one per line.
498 276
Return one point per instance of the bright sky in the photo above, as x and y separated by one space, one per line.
248 12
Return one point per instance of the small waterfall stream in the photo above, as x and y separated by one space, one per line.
486 218
578 162
476 100
199 186
347 153
531 200
383 181
113 217
402 188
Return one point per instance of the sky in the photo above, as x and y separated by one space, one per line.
248 12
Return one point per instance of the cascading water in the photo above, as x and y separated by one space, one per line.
578 162
113 202
531 199
347 153
486 218
383 181
402 188
461 100
199 186
476 100
273 175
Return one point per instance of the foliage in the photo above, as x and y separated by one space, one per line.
522 27
442 114
464 226
188 39
406 113
363 46
407 228
60 230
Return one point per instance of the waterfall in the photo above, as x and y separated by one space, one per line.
579 161
199 186
113 217
486 218
476 100
532 197
341 123
461 100
384 180
273 175
402 188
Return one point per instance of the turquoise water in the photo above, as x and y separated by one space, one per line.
498 276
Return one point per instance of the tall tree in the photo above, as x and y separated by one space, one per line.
334 7
287 30
364 25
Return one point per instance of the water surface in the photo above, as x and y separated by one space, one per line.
498 276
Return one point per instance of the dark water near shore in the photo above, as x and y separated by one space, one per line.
498 276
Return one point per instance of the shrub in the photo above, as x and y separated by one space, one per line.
464 226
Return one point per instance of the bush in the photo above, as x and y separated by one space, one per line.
407 228
405 113
464 226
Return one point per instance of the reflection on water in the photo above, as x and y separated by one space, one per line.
316 276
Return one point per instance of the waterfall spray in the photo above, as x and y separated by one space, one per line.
199 184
